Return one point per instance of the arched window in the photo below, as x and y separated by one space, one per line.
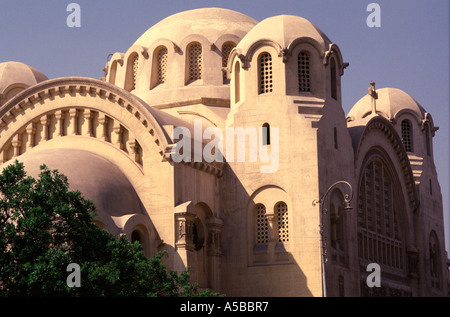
379 235
265 73
198 238
132 72
304 72
162 65
195 61
136 237
266 134
407 139
282 222
333 78
112 73
227 47
262 225
237 82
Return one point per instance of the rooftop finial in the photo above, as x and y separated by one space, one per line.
373 93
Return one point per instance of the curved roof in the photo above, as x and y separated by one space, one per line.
95 177
390 103
209 22
155 117
284 29
18 73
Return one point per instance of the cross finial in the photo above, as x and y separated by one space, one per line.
373 93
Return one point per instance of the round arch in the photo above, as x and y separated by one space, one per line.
120 118
142 225
385 188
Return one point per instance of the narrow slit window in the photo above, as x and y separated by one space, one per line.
304 72
162 65
262 225
265 73
266 134
335 138
282 222
407 135
195 61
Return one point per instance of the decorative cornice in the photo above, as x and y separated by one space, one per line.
216 102
82 86
215 168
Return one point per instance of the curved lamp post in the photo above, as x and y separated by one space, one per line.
347 199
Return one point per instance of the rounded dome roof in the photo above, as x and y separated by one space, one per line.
95 177
209 22
18 73
284 29
390 102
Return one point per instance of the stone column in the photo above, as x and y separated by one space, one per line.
59 115
184 237
272 220
45 122
87 124
72 128
16 144
117 134
31 130
132 144
102 126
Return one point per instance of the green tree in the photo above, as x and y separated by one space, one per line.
44 226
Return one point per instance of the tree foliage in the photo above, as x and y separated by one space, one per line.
44 226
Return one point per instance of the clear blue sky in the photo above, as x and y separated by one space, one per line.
410 50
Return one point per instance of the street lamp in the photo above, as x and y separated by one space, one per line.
347 199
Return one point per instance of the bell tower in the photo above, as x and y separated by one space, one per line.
285 86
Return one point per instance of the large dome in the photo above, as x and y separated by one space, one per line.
95 177
16 76
390 103
181 59
209 22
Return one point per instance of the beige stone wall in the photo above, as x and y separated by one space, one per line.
206 214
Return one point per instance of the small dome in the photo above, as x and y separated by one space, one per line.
95 177
16 76
390 102
284 29
209 22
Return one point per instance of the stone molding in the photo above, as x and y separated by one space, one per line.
382 125
74 86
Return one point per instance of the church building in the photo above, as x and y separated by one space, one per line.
299 198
